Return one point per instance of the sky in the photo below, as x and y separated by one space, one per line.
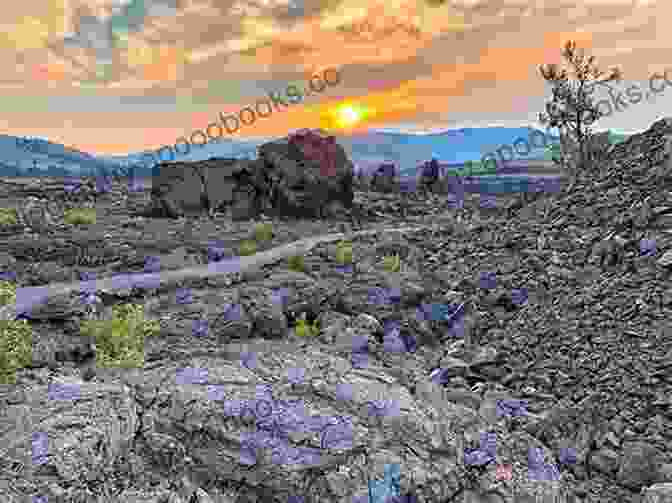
110 77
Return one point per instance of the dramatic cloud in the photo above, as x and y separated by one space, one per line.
422 64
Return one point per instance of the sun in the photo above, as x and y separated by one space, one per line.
349 116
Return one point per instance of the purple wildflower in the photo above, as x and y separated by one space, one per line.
567 456
487 201
231 312
519 296
152 264
392 341
477 457
488 280
410 342
184 296
40 447
199 328
440 376
248 359
381 408
7 276
63 392
647 247
191 375
296 375
215 253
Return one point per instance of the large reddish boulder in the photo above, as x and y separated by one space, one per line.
306 174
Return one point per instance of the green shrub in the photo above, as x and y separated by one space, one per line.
80 216
120 342
392 263
16 348
8 216
247 248
263 232
296 263
305 329
7 293
344 253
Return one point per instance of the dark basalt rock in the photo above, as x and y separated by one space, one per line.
304 175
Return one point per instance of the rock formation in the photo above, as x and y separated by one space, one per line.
306 174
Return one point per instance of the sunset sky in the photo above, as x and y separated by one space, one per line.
112 77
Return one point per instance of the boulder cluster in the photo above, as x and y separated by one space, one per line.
306 174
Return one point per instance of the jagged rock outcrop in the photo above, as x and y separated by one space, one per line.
384 178
306 174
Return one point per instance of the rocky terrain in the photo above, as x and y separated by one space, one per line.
521 351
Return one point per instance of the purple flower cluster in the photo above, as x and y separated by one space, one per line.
487 201
647 247
72 185
537 469
519 296
88 288
248 359
184 296
384 296
452 314
511 408
360 351
40 447
191 375
7 276
440 376
63 392
380 408
152 264
394 341
103 184
199 328
486 453
488 280
275 419
280 296
216 252
567 456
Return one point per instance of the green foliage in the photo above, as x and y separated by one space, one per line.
305 329
80 216
7 293
16 348
120 341
344 252
263 232
247 248
392 263
8 216
296 263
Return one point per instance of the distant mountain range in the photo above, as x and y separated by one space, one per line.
38 157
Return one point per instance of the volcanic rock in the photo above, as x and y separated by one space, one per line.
306 174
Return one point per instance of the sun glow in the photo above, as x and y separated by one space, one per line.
349 116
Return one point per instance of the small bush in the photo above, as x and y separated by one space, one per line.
304 329
120 341
16 348
392 263
344 253
247 248
8 216
296 263
7 293
263 232
80 216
